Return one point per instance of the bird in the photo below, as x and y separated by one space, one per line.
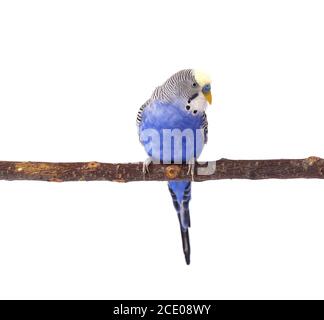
172 126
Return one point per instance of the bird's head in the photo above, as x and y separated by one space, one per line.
186 85
204 83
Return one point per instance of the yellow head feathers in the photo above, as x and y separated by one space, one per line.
201 78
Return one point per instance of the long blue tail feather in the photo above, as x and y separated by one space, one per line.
181 194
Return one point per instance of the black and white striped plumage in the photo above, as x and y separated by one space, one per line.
176 86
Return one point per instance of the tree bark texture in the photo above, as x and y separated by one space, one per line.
312 167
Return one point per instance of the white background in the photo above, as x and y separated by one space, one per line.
72 77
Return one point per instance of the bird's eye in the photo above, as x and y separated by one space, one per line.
194 85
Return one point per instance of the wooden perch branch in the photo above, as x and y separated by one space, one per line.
312 167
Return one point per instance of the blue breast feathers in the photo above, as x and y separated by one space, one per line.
170 133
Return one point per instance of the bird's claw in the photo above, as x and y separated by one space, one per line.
191 170
146 165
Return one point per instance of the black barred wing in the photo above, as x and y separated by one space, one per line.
140 113
204 126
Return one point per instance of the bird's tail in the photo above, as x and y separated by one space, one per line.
181 195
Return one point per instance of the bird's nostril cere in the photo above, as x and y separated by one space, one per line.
206 88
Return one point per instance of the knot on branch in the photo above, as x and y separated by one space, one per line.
310 161
92 165
172 172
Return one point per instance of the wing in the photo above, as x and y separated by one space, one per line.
204 126
140 113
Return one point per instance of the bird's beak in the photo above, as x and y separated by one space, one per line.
208 96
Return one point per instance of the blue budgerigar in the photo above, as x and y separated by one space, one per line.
172 126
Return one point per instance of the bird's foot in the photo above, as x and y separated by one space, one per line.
191 169
146 165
